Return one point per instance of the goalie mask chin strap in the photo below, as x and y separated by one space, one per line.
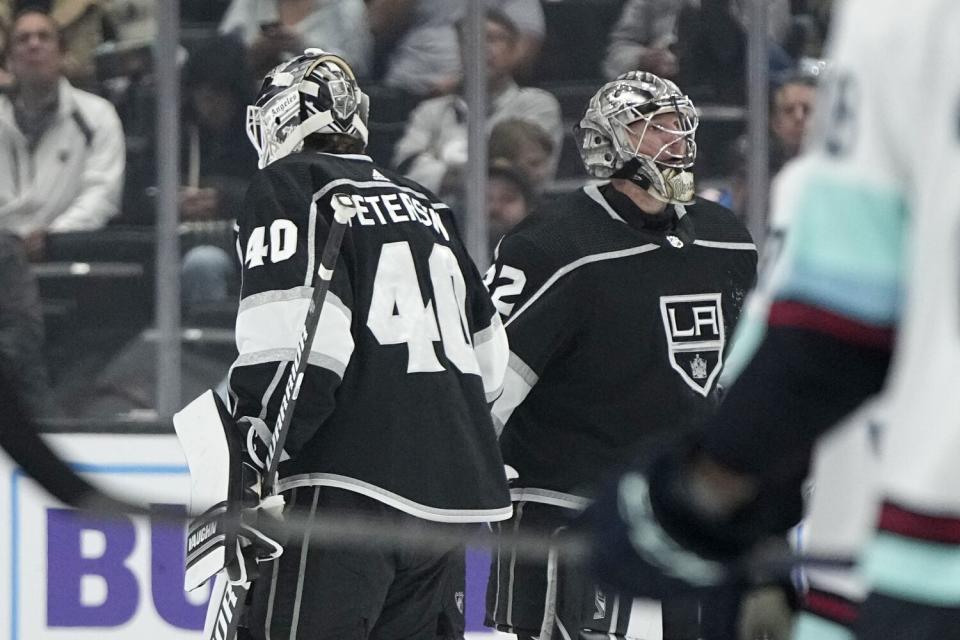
679 183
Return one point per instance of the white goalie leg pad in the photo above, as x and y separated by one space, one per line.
213 447
213 605
220 617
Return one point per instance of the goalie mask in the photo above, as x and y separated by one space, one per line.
618 119
313 93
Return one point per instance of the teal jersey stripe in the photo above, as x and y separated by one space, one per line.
844 251
873 303
811 627
751 329
911 569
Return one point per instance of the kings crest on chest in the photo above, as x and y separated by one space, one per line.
695 334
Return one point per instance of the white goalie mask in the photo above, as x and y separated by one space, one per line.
313 93
609 136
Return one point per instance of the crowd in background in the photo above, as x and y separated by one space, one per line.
78 106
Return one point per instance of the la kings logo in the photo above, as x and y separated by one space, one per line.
695 337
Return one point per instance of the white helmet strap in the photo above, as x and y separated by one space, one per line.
308 126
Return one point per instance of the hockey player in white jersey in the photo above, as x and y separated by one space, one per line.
865 301
841 492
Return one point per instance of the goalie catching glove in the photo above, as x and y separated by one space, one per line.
236 528
261 525
261 519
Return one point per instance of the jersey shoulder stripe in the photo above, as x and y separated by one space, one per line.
717 227
576 264
734 246
573 226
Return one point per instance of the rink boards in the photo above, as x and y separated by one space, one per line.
67 576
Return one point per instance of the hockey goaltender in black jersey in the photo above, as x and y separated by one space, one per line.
618 322
401 347
618 307
392 420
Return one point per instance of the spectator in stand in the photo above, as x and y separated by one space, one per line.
791 106
813 16
133 20
216 169
418 39
528 16
83 27
21 325
712 47
277 30
433 149
790 111
699 43
526 147
6 78
642 37
509 198
61 149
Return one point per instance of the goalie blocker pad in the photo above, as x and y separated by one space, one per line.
213 446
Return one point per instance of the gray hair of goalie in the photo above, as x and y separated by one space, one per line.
610 149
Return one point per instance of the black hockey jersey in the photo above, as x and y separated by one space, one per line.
408 351
617 334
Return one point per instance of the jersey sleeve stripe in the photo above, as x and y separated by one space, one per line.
517 384
286 355
736 246
845 249
268 392
830 606
281 295
492 353
526 373
311 245
925 572
786 313
489 333
576 264
270 325
869 302
934 528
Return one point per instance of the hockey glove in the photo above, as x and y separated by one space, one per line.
259 534
259 538
766 612
650 538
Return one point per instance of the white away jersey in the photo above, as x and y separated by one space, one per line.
876 238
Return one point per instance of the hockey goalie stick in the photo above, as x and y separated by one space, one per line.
227 618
